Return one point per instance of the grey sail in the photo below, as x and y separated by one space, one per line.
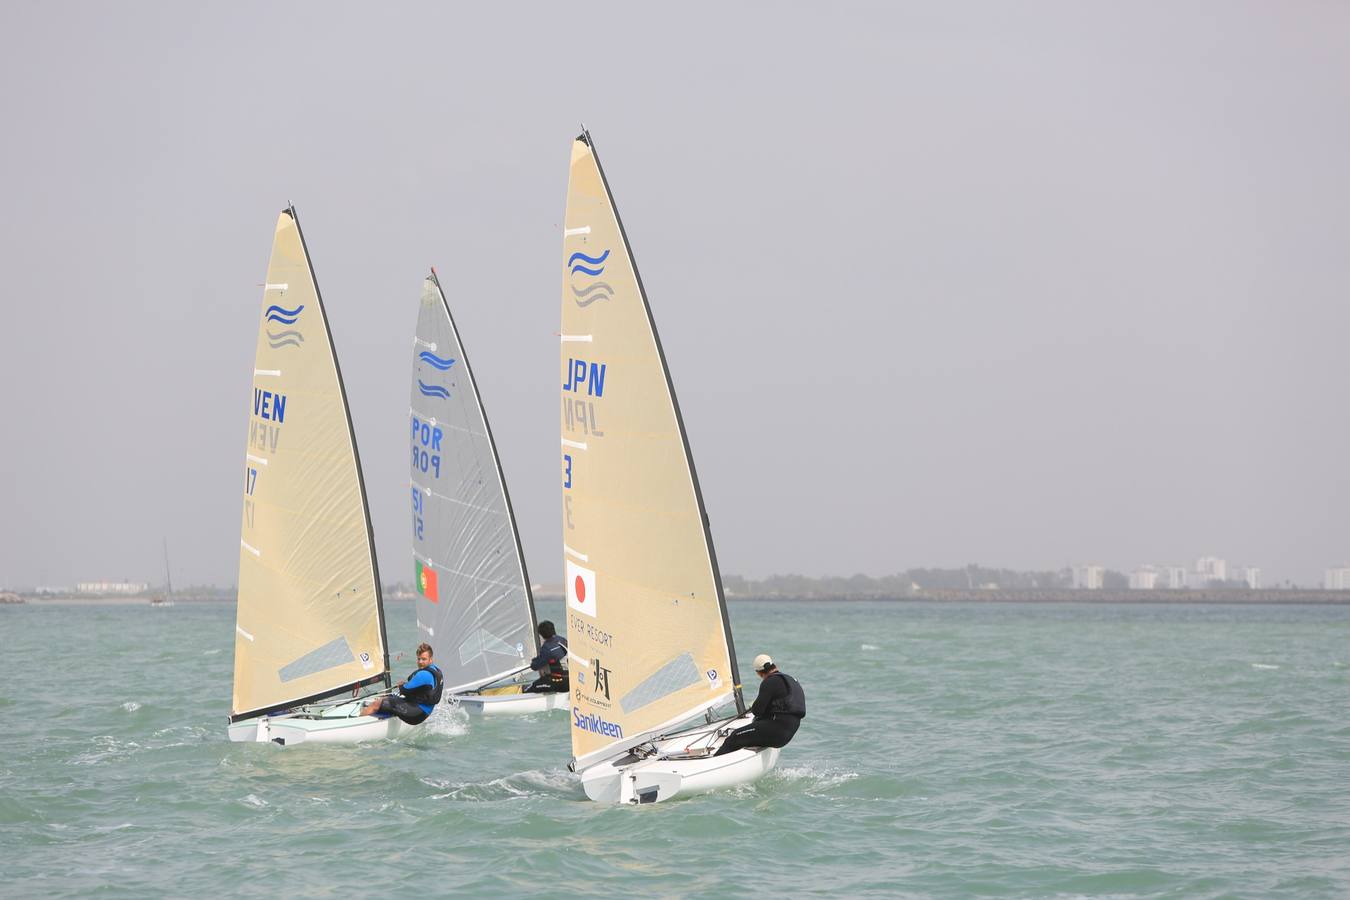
474 604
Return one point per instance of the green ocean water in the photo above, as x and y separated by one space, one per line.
950 750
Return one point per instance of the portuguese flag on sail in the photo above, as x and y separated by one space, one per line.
426 582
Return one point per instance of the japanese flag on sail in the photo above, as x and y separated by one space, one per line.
580 589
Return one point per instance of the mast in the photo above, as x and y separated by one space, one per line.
168 579
585 138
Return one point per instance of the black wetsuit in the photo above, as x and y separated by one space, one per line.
779 710
551 666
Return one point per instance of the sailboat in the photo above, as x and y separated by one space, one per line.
309 629
165 599
474 603
649 637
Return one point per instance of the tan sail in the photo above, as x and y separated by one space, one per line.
646 618
309 621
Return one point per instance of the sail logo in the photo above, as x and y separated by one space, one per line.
442 364
281 316
587 267
595 724
581 589
427 583
589 376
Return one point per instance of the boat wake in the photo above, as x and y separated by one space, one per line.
446 721
530 783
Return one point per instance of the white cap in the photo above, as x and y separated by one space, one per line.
762 662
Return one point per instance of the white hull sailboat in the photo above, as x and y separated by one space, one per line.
309 629
474 603
677 766
649 639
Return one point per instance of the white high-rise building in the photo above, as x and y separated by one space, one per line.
1212 568
1337 579
1144 578
1176 577
1249 574
1088 578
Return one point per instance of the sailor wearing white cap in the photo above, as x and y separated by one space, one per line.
778 710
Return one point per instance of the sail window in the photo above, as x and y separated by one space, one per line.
481 643
336 652
676 675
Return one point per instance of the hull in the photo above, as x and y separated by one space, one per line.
508 704
338 724
670 773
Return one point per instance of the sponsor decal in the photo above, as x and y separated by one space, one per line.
714 680
601 679
427 584
580 589
365 661
595 724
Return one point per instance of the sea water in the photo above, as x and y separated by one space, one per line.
950 750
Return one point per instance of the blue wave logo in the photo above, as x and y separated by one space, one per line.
432 359
283 315
291 338
580 262
433 390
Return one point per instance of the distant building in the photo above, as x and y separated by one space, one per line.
1337 579
1211 568
111 587
1144 578
1249 574
1088 578
1176 577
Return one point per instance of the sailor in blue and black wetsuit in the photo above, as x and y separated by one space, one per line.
779 710
416 697
551 663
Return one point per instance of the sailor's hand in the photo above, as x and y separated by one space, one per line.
400 684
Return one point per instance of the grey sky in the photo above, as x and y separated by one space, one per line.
1022 284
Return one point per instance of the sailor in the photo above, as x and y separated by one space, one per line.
551 663
416 697
778 710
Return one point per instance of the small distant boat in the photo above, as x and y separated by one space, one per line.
651 648
474 603
310 631
166 598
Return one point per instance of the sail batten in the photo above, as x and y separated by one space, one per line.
644 597
473 592
309 620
